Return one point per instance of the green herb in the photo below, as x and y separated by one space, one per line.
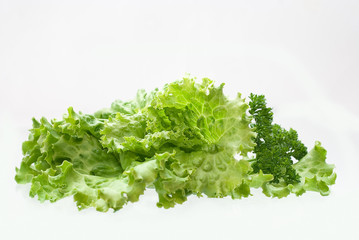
275 146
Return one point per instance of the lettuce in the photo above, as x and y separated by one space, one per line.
187 138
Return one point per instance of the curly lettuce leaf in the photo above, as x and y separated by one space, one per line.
214 174
78 123
202 126
118 128
59 165
95 191
141 101
184 114
202 115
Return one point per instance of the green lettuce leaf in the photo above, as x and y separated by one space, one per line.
95 191
216 175
200 114
63 159
195 123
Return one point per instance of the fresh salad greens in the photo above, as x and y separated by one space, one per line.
187 138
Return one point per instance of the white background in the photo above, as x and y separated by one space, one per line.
303 55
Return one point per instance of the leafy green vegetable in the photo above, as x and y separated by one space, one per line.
315 174
275 146
187 138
